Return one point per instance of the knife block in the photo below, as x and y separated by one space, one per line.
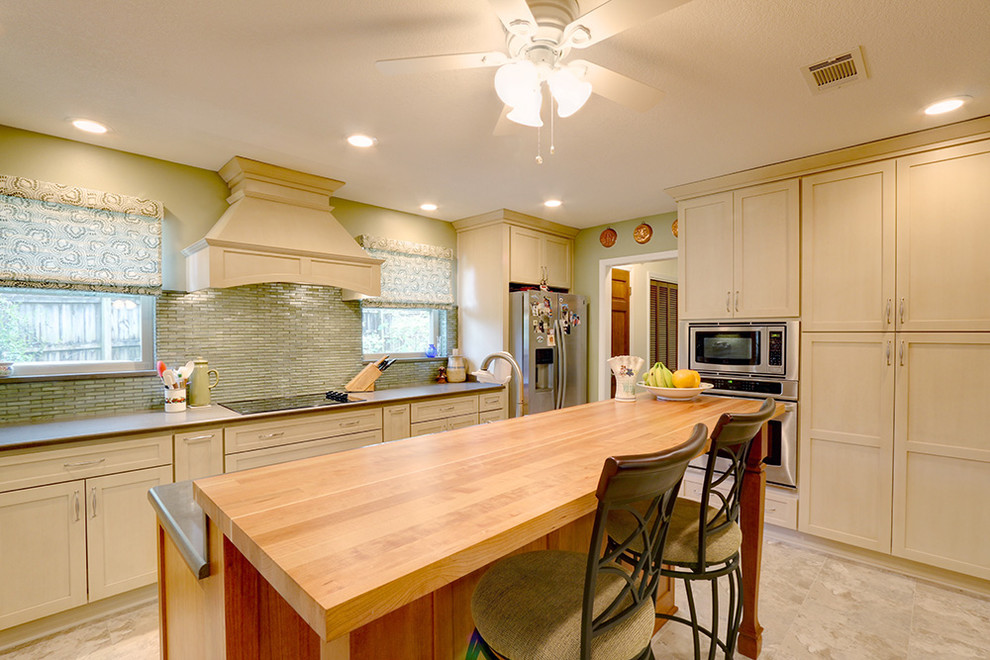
365 380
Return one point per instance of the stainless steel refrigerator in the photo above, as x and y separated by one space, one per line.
550 343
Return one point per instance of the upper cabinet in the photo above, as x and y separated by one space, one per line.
740 253
899 245
535 256
943 235
847 234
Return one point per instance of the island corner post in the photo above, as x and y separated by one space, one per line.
375 552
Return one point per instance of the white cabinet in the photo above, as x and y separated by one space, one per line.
943 236
847 234
740 253
299 450
42 551
444 414
535 256
120 536
395 422
846 437
198 453
942 451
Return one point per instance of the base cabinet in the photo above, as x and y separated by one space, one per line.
395 422
42 551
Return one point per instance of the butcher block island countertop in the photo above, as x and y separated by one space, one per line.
388 540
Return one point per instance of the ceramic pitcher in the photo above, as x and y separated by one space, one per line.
199 382
625 368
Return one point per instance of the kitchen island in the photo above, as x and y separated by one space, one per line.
374 552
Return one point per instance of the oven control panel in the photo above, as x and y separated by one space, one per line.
776 348
772 388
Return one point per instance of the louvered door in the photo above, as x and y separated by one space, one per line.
663 323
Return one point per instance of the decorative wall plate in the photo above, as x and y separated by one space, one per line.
673 228
643 233
608 237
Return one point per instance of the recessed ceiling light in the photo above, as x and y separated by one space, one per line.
946 105
552 203
363 141
428 207
89 126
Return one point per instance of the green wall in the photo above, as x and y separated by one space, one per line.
194 198
588 252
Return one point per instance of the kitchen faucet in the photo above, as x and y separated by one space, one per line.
520 402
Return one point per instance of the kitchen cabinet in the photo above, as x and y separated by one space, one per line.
299 450
943 231
444 414
43 551
395 422
847 233
535 256
846 437
740 253
120 531
75 524
942 451
198 453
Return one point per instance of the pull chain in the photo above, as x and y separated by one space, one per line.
539 155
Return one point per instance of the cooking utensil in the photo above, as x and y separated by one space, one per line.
160 367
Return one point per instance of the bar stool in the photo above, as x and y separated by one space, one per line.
558 605
703 542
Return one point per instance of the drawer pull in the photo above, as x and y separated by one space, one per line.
354 423
397 411
97 461
197 438
266 436
448 409
771 509
92 499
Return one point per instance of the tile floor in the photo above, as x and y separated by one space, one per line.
813 605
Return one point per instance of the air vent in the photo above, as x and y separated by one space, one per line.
835 71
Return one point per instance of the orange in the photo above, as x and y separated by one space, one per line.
686 378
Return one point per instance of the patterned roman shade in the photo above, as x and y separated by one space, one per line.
66 237
413 274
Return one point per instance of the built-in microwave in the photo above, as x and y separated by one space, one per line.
745 348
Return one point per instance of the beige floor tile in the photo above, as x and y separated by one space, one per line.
73 643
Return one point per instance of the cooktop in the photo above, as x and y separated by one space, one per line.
272 404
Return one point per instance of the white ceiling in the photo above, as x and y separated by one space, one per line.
197 82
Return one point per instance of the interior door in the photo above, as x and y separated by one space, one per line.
620 316
663 323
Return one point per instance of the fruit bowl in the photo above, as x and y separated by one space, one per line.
675 393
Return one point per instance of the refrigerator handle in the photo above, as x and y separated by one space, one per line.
561 366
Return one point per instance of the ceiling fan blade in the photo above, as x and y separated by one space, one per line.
617 87
511 12
431 63
616 16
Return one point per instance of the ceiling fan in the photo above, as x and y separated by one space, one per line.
539 36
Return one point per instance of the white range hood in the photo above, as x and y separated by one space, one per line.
279 229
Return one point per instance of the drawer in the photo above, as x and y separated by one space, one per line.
492 401
198 453
491 416
443 408
283 454
23 468
462 421
299 429
422 428
781 507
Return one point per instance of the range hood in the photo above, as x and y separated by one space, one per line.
279 229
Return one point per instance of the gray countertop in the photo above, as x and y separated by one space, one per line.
86 428
184 522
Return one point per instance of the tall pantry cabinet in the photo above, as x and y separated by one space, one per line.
894 455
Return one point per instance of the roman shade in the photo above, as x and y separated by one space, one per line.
54 236
413 274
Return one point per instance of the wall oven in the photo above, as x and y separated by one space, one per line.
751 359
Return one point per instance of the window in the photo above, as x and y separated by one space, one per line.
402 331
59 332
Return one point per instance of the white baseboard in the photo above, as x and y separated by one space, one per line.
32 630
939 576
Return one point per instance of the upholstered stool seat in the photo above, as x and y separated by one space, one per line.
682 535
528 607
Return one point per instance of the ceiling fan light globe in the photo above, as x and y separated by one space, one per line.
527 113
569 92
515 81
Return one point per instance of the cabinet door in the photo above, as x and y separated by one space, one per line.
943 231
847 234
121 538
942 451
846 437
557 261
198 454
525 256
705 245
42 552
767 251
395 422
